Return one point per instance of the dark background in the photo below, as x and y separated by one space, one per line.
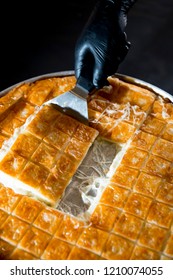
40 39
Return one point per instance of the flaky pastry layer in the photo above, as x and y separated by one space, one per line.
41 149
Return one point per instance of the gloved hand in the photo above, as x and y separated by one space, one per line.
102 44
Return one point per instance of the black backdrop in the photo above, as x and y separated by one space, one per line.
40 39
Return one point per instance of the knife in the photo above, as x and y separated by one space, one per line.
74 102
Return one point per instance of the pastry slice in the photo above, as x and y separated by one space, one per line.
42 158
13 98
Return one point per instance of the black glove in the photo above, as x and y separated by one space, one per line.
102 44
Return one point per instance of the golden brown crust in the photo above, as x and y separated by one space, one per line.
10 123
133 215
117 248
114 195
35 241
78 253
13 229
142 253
48 220
47 153
9 199
104 217
69 229
56 250
153 236
19 254
5 249
28 209
25 145
125 176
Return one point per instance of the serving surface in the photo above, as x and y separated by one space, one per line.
132 215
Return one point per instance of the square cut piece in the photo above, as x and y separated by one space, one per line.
160 214
25 145
23 110
53 189
92 239
45 155
76 149
85 133
13 229
33 175
65 167
114 196
48 220
116 130
138 205
122 132
142 253
8 199
56 250
117 248
39 91
12 164
38 128
165 193
66 124
98 104
8 101
10 123
157 166
128 226
34 241
143 140
125 176
137 116
28 209
162 109
164 149
48 114
57 138
61 84
125 112
168 132
70 228
152 237
104 217
152 125
147 184
134 157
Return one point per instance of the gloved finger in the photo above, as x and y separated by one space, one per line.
99 74
85 63
100 61
80 60
126 5
102 71
107 61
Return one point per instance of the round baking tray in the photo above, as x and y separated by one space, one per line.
123 77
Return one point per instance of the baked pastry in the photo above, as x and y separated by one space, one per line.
127 210
43 157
